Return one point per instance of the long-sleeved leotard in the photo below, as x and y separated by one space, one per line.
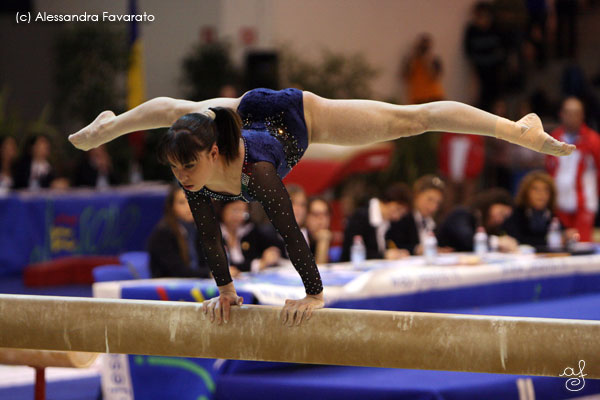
265 186
275 138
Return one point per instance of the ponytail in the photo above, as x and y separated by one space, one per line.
229 126
196 132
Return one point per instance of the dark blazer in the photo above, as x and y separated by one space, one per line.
253 244
22 171
358 224
87 175
458 230
165 259
521 226
404 233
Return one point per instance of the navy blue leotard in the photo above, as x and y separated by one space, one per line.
275 138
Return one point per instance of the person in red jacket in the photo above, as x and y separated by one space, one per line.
576 176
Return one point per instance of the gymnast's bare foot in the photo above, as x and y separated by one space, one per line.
532 125
91 136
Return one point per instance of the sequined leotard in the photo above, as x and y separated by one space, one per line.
275 138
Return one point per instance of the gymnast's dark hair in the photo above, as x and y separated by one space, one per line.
196 132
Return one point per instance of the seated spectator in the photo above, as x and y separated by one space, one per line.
174 245
248 247
8 154
95 169
409 233
489 209
372 223
33 170
534 211
299 201
318 220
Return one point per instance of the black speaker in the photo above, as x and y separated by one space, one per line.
262 70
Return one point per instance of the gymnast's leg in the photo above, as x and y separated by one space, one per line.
356 122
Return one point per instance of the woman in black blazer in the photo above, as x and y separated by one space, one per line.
534 212
408 233
371 223
174 246
249 247
33 169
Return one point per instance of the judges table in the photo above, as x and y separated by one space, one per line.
518 281
43 225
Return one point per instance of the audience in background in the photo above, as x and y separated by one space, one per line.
488 209
537 28
228 90
566 27
174 245
248 247
299 201
95 169
33 169
318 220
8 155
576 176
409 232
534 210
422 72
461 159
484 49
371 223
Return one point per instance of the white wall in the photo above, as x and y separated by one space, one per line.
381 29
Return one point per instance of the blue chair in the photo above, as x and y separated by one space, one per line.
335 253
138 262
105 273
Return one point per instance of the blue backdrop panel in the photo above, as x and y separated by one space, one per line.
34 229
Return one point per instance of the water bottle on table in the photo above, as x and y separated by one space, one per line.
554 237
430 248
358 251
480 242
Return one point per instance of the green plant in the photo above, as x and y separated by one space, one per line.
91 61
206 69
335 75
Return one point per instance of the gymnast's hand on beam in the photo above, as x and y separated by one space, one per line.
295 311
218 307
92 136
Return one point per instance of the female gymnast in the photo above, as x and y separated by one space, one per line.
241 148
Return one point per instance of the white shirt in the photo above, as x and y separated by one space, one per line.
38 169
376 220
424 225
235 252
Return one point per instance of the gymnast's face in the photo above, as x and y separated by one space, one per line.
195 174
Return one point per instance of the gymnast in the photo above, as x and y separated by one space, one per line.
241 148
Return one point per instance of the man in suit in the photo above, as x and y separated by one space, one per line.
372 223
409 232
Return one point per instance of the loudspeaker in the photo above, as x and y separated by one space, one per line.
262 70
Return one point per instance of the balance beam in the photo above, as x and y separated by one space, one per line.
452 342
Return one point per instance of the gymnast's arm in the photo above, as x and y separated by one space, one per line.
266 187
159 112
216 258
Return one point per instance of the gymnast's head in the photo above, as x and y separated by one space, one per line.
197 143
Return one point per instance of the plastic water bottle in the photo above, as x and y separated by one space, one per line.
430 248
358 251
480 242
554 237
